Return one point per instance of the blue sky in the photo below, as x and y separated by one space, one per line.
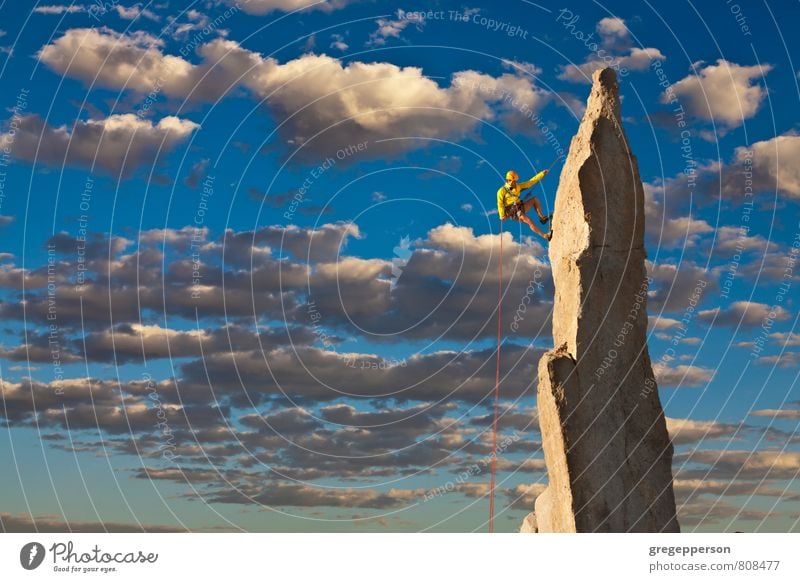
272 244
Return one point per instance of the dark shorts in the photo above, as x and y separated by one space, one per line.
515 211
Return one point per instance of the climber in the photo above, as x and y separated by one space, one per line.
509 204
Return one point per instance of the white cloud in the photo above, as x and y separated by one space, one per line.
724 92
789 360
637 59
776 164
117 144
338 43
192 20
789 413
732 240
134 12
613 27
675 284
683 376
615 49
768 166
108 58
745 313
523 66
261 7
513 95
131 341
660 323
744 464
346 104
389 28
786 339
59 9
687 430
682 231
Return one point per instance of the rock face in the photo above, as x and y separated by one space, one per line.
608 454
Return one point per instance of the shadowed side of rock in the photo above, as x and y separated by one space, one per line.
606 446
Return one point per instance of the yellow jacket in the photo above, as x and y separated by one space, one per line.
506 196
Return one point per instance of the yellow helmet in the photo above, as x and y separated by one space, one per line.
511 175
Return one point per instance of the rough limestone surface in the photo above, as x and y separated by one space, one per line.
608 454
529 524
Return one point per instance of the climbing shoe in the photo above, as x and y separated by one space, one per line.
546 219
549 236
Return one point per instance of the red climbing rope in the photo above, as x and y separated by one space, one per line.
496 386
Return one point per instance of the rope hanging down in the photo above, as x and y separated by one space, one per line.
497 371
496 386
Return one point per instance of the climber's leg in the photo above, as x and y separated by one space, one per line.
524 218
534 203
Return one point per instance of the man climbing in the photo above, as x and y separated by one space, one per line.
509 204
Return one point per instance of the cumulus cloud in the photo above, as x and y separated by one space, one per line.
524 496
682 376
768 166
790 360
135 11
261 7
672 205
447 288
787 339
132 342
775 166
725 92
637 59
513 95
279 494
684 431
390 28
614 49
787 413
375 103
321 244
117 144
292 266
744 313
338 43
686 489
134 61
613 30
286 264
742 464
675 285
310 374
59 9
731 240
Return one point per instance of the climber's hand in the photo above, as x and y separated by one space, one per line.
546 172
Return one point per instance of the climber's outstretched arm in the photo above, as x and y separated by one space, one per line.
534 180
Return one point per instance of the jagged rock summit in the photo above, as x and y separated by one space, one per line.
608 454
